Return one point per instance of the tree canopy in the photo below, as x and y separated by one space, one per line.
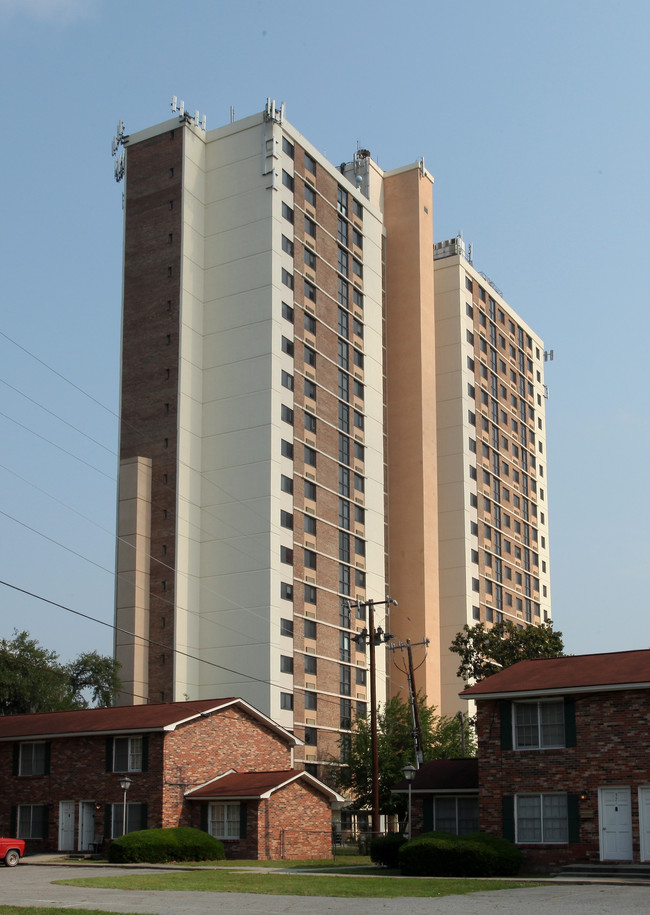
486 651
32 679
441 737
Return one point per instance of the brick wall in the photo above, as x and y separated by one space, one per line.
78 773
194 753
201 750
325 342
295 822
611 750
150 347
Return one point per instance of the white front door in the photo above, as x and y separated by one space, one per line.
615 813
644 822
86 825
66 826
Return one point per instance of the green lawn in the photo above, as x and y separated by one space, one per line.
40 910
298 884
342 862
347 861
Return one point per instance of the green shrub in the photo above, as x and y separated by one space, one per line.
153 846
509 858
434 835
385 849
478 855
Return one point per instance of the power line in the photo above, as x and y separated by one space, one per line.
58 447
181 500
59 375
56 416
153 559
153 642
140 638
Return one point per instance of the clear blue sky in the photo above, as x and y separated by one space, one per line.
533 118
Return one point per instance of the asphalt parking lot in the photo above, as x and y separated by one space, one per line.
33 885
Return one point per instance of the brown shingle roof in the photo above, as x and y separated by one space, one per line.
240 785
444 775
574 673
244 784
158 717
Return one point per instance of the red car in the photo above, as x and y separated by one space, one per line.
11 851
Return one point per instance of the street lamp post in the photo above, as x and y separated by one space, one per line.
459 715
125 784
409 774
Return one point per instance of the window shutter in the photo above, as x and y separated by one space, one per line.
242 819
145 752
46 820
506 725
570 735
13 821
508 814
108 821
573 811
109 754
46 761
204 817
16 760
143 817
427 815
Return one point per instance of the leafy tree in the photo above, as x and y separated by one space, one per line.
97 674
441 737
32 679
486 651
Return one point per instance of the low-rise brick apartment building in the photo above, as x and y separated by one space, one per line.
564 769
214 764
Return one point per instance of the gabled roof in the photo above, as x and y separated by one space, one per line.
256 785
443 776
572 674
164 716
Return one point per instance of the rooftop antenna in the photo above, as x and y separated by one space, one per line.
120 162
198 119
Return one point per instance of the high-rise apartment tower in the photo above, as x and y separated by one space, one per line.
490 418
299 429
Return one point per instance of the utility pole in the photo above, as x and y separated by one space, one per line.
418 743
373 637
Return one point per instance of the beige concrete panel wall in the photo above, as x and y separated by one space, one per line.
454 459
191 316
411 418
238 354
132 598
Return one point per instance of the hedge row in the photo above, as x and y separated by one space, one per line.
385 849
153 846
444 855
